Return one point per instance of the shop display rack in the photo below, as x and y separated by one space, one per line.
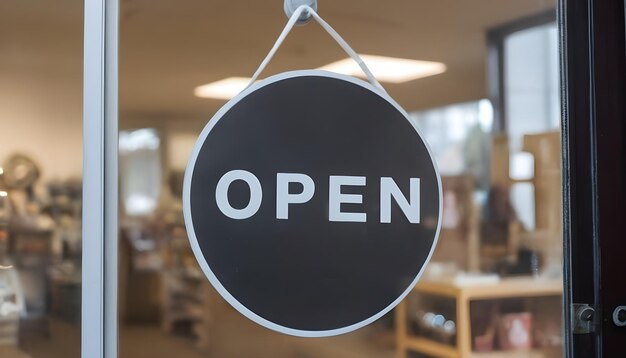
463 295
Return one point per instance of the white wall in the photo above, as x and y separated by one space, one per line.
41 56
42 118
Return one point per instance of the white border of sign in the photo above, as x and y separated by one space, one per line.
194 240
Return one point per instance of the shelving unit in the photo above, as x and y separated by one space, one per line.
183 289
463 295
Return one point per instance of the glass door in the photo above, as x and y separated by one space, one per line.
490 113
506 140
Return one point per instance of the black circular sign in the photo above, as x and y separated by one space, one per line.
312 203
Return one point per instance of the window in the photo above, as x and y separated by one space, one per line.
140 167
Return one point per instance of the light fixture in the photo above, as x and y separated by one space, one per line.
388 69
222 89
385 69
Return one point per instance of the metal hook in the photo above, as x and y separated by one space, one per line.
291 6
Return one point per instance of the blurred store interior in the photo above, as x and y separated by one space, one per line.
486 97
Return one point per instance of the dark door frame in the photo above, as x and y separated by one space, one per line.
592 39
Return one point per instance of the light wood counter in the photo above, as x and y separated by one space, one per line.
463 294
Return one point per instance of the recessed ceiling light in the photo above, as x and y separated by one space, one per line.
222 89
388 69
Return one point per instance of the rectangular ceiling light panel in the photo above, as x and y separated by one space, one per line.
222 89
388 69
385 69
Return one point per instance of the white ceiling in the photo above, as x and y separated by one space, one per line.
168 47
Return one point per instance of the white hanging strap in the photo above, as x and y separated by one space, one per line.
344 45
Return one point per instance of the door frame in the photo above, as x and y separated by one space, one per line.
99 333
593 89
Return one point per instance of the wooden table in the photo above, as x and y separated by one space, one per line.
463 295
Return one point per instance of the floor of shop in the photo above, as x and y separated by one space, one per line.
235 337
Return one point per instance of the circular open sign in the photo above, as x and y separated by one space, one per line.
312 203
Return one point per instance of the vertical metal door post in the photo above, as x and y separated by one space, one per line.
99 268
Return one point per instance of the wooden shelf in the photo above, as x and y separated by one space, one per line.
430 347
463 294
434 348
506 288
531 353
